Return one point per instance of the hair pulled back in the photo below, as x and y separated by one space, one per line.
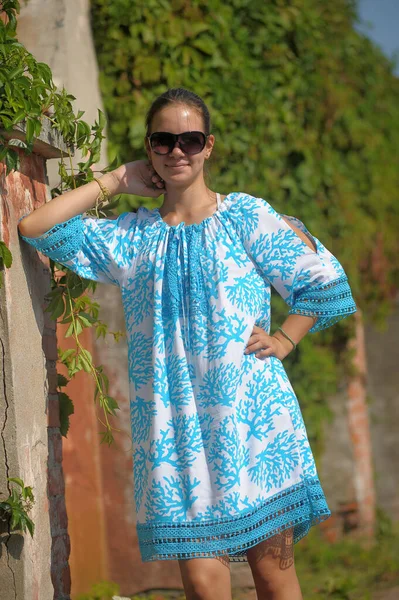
179 96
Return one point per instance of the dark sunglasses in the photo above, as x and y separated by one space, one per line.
190 142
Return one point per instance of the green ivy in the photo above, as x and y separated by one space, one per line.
28 97
305 111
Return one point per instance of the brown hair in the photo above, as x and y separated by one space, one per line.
181 96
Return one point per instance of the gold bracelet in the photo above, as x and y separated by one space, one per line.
287 336
104 194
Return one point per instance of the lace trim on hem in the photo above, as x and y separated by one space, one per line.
301 503
60 243
330 302
301 529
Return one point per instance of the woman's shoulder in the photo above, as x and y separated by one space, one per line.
244 202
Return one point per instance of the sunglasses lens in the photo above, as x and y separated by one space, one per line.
161 143
192 143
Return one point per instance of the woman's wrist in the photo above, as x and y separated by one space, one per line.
286 346
111 181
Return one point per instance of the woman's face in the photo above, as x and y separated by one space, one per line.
176 168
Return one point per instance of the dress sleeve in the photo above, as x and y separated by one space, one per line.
313 283
95 249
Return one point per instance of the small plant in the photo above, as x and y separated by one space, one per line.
17 506
104 590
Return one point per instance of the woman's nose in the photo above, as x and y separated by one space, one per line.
177 150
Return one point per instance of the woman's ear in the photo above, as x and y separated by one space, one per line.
209 145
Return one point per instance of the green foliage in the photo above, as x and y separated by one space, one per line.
348 569
28 96
5 259
66 410
104 590
16 507
305 112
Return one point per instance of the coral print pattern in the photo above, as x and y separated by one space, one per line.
220 451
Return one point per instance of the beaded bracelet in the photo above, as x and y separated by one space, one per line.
105 194
287 336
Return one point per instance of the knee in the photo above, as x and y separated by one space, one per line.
200 586
271 577
200 583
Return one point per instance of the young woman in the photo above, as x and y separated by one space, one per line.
223 469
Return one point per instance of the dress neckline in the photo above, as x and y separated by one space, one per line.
195 226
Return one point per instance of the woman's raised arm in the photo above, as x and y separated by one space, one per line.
136 177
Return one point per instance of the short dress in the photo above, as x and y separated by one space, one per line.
221 457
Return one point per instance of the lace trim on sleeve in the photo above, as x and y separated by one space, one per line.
330 302
60 243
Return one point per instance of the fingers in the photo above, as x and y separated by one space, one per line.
260 342
156 179
262 346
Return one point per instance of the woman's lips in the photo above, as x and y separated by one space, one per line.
176 166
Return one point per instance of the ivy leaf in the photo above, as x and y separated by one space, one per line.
56 307
70 330
12 161
30 525
45 72
65 356
102 121
15 517
66 410
17 143
62 381
16 480
106 437
27 493
6 255
111 405
205 44
30 129
101 330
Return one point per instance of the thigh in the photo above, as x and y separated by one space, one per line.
204 577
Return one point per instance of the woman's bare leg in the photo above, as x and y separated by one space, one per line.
273 568
206 578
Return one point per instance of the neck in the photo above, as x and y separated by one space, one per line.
187 202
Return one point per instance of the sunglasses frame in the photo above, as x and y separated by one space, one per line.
176 137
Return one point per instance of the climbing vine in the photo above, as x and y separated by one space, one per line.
28 97
305 112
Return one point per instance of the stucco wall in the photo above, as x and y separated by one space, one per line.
58 33
27 368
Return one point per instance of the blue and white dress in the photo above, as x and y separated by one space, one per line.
220 452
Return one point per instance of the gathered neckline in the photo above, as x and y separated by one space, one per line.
195 226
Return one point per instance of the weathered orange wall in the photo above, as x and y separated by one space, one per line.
83 478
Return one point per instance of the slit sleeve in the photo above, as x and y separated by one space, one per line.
312 282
